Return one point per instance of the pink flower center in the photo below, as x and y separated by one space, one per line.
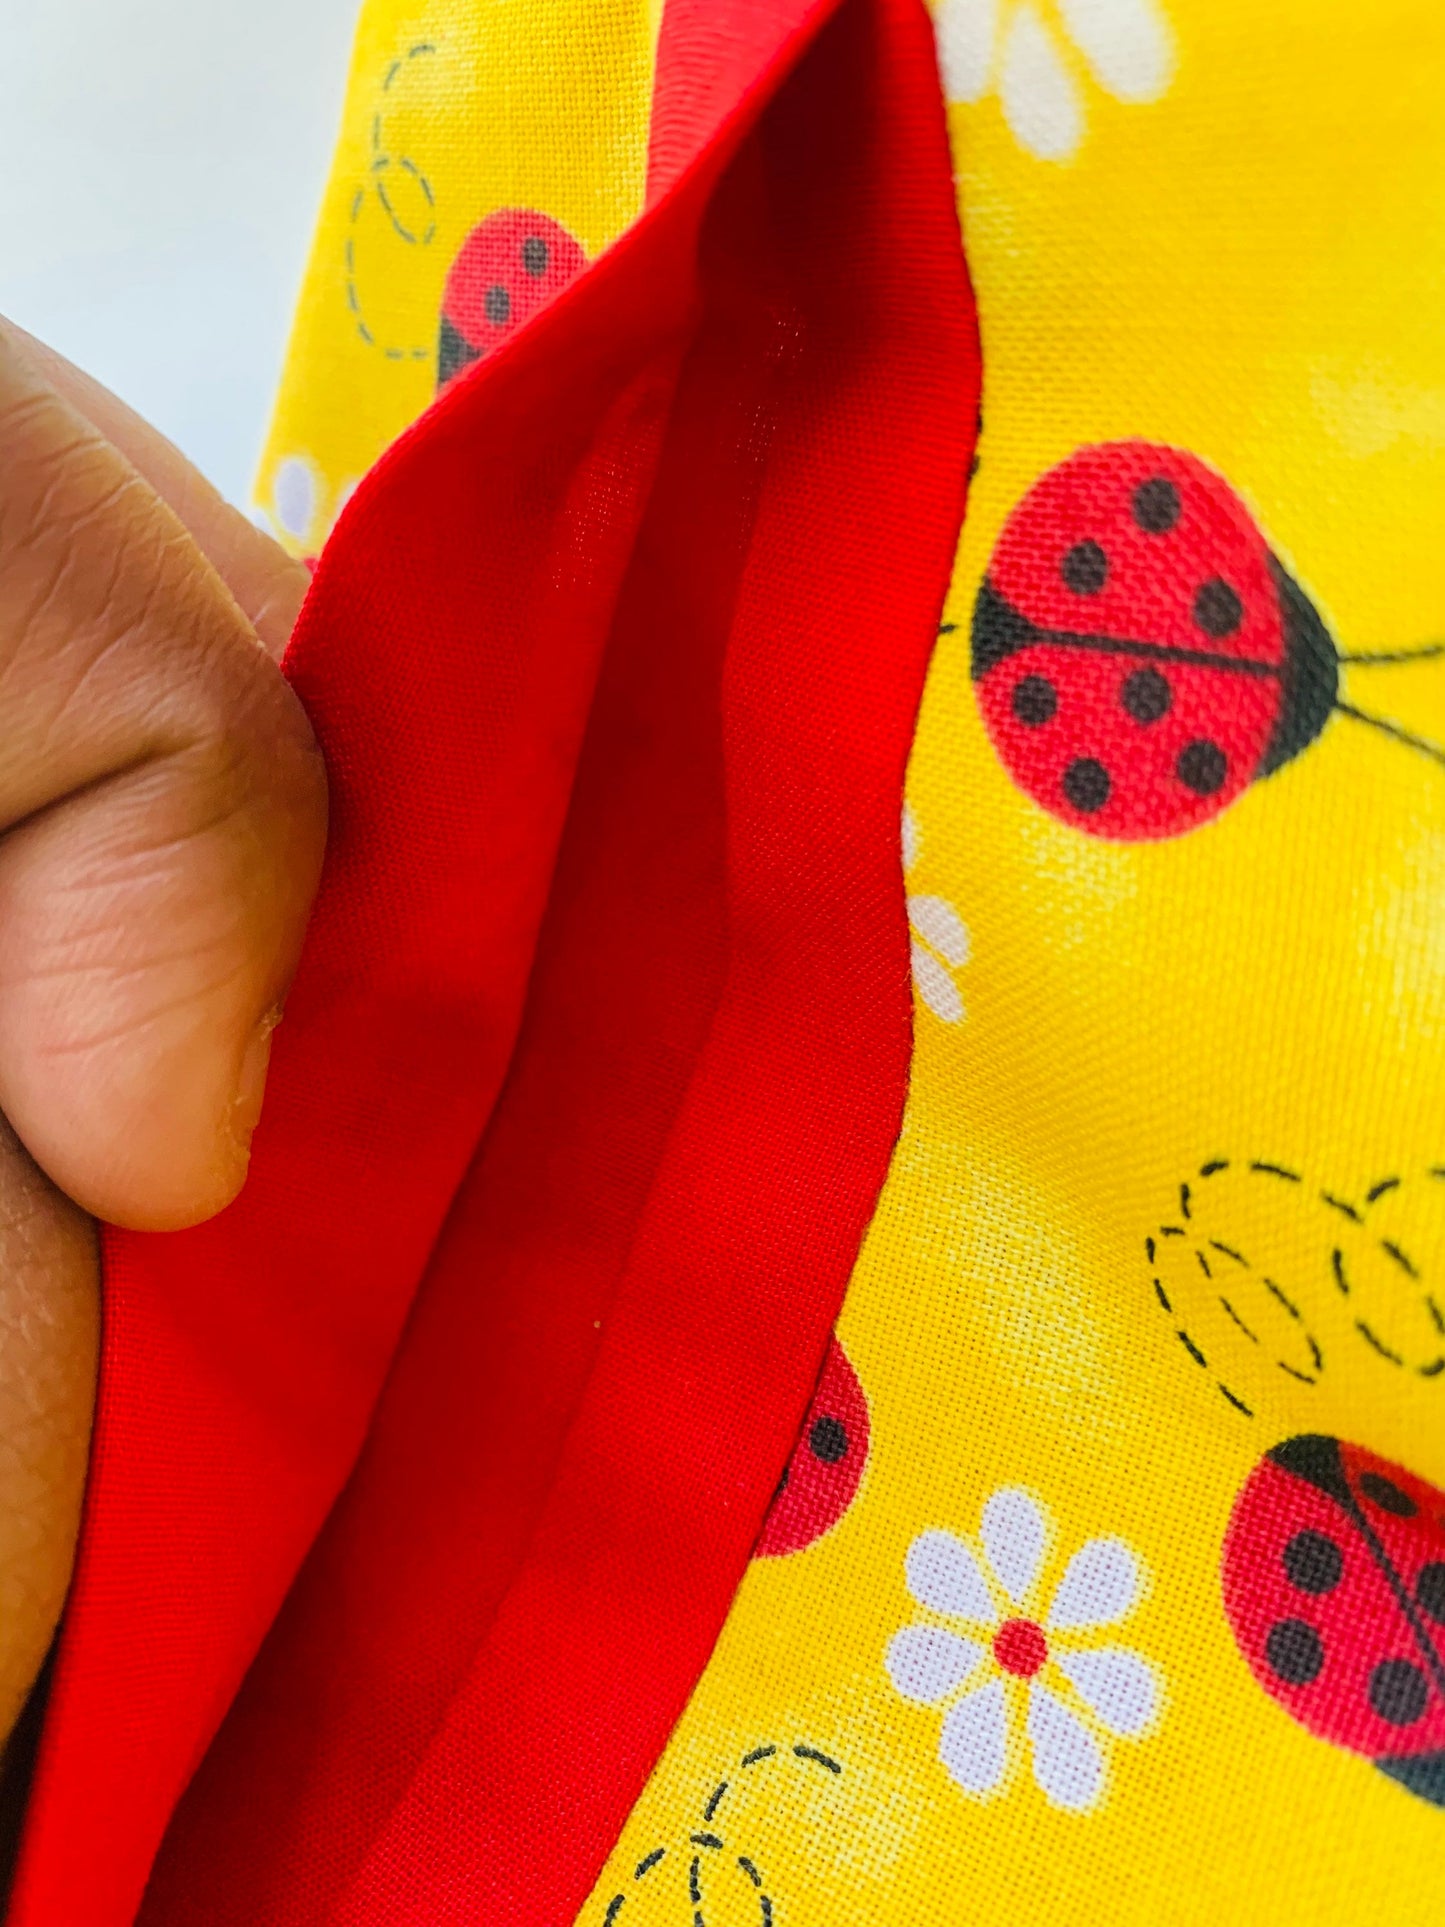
1019 1647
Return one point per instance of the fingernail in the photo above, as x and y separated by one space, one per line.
251 1082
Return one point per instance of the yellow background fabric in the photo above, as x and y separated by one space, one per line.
1219 227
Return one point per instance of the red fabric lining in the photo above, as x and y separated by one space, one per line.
623 1317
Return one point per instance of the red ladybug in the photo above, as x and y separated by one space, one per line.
822 1476
1141 655
1334 1587
510 265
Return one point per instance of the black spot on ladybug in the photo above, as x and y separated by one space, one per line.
1146 695
1156 505
1035 701
1294 1651
1086 784
498 305
828 1440
1398 1691
1387 1495
1085 568
535 254
1218 611
1313 1563
1202 767
1430 1590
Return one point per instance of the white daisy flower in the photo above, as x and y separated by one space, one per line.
939 937
1010 46
1004 1661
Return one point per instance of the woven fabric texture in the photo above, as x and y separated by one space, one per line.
519 1531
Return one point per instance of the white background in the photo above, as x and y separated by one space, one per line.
161 162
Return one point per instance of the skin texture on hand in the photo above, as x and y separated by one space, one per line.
162 823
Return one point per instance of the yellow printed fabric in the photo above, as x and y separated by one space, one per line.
488 147
1109 1577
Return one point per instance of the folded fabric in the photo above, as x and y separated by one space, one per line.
487 1523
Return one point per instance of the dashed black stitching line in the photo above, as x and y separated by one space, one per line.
1149 1249
1275 1171
1238 1403
1315 1353
715 1802
1184 1200
1203 1262
750 1870
1401 1258
379 164
1252 1336
1215 1164
614 1908
1229 1251
694 1881
1383 1349
1378 1190
410 167
1289 1305
1434 1310
646 1866
1189 1345
705 1840
1294 1372
1337 1266
766 1909
1433 1369
759 1753
1341 1204
820 1759
1162 1296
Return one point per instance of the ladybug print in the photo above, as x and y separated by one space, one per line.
1141 655
1334 1587
821 1479
509 266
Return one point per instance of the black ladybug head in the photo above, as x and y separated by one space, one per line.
1311 674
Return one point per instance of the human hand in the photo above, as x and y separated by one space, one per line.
162 821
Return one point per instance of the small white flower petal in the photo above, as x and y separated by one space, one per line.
1117 1686
939 924
293 495
1040 101
936 987
1068 1764
912 838
974 1742
1015 1531
927 1662
1126 42
943 1573
965 30
1100 1584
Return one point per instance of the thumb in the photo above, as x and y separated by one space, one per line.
162 820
